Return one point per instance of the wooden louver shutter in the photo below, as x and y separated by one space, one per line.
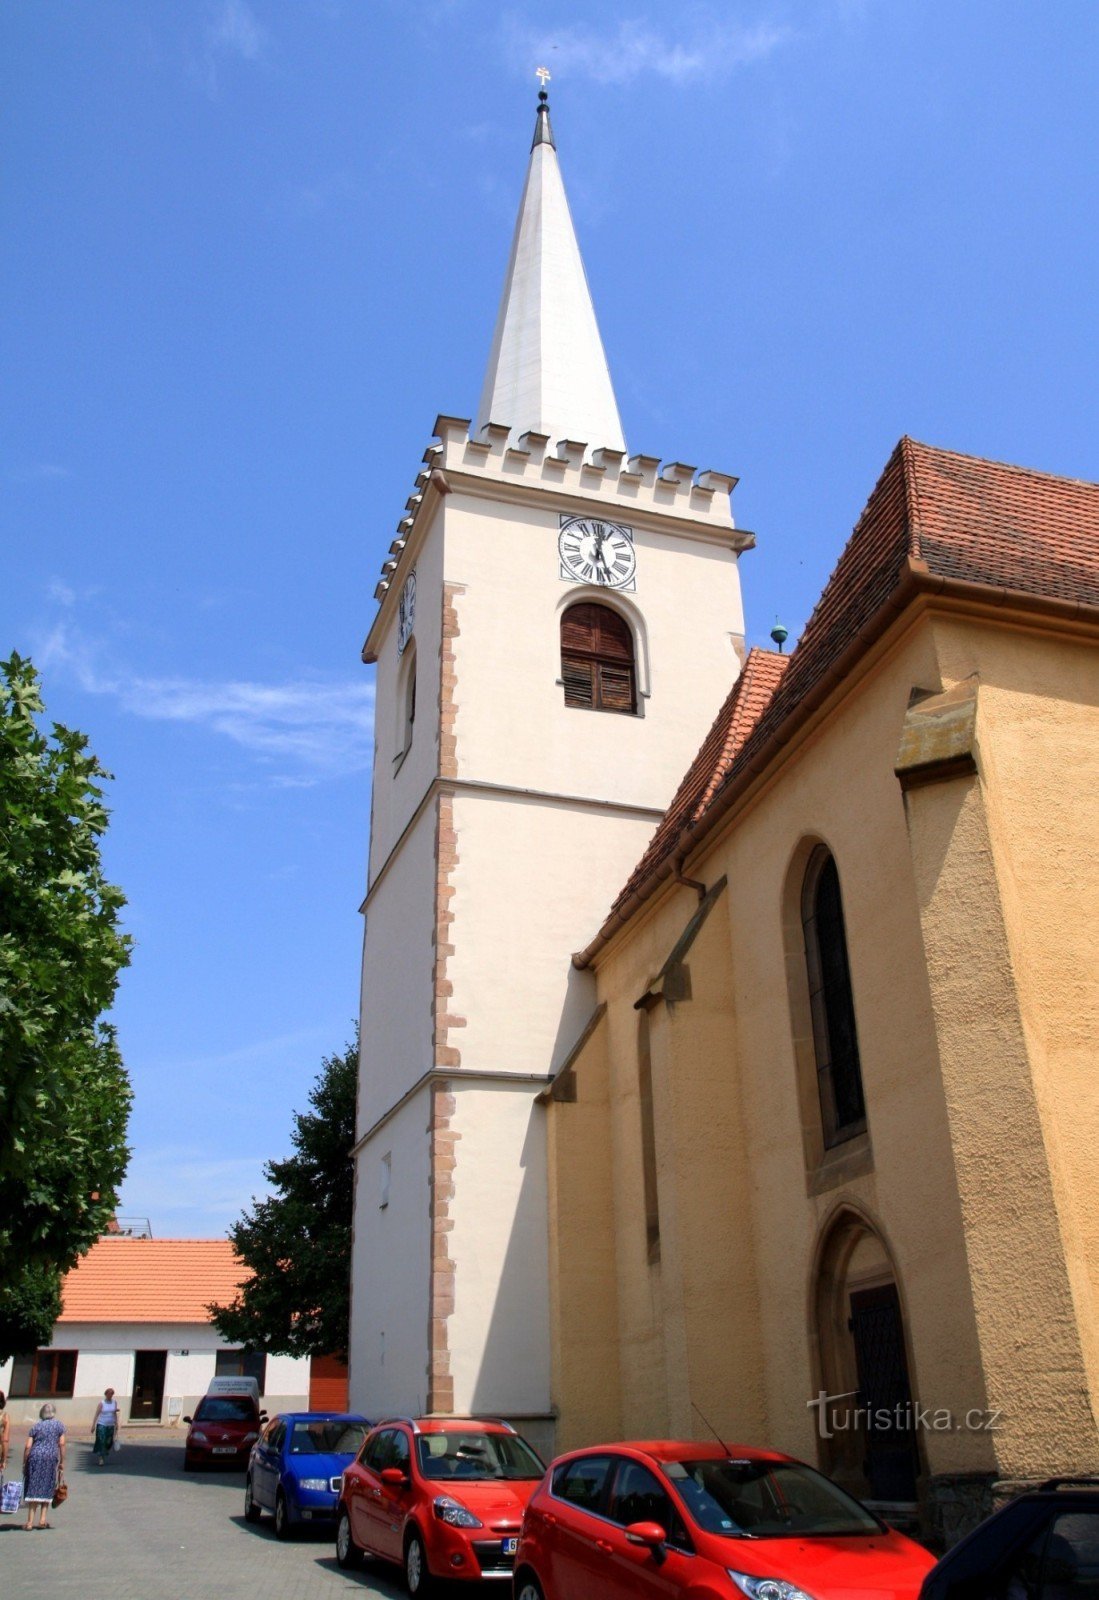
597 665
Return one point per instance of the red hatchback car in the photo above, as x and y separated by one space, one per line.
442 1496
667 1519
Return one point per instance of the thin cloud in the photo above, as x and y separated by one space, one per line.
324 728
186 1193
40 472
706 48
234 32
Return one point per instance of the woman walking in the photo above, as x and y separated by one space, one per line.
104 1426
5 1432
43 1465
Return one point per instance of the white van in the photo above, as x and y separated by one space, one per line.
248 1386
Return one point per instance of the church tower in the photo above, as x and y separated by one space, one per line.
557 622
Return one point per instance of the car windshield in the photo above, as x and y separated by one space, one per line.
225 1408
457 1453
767 1500
332 1438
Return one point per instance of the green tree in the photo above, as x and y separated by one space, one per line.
297 1242
64 1093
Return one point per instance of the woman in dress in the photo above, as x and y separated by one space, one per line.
105 1425
43 1464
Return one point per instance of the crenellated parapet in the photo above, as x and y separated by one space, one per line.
627 486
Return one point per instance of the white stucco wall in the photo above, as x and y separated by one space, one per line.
398 974
391 1257
105 1358
513 725
498 1333
399 787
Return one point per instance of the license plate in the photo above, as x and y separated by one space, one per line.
508 1547
225 1450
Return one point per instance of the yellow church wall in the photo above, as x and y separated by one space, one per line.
742 1221
583 1298
1038 730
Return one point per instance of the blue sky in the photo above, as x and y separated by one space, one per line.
254 246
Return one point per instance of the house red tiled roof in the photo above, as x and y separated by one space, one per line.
151 1280
934 517
743 707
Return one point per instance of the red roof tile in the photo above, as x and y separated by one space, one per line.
953 517
743 706
151 1280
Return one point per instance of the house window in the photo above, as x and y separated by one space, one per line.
44 1375
597 659
835 1041
242 1364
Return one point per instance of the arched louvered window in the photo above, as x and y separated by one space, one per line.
597 659
835 1041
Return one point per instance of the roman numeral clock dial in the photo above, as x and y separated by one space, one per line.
594 551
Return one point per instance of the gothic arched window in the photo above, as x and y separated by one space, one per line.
597 659
835 1041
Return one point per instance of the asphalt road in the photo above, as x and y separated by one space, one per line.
142 1529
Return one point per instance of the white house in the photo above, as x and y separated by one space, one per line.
134 1318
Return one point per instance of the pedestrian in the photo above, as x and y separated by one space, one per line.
5 1432
43 1465
105 1426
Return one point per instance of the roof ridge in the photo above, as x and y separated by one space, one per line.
995 461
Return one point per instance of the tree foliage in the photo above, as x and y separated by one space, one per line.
30 1304
297 1242
64 1093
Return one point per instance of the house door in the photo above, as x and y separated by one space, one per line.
148 1395
890 1461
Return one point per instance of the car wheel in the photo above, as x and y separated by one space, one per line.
284 1527
526 1587
348 1554
251 1509
416 1575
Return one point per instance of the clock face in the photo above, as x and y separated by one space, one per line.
406 612
594 551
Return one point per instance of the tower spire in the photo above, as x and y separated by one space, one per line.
547 372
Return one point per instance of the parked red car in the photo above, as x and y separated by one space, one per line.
222 1431
668 1519
441 1496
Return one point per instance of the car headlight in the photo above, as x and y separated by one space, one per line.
453 1512
198 1438
312 1483
767 1588
250 1438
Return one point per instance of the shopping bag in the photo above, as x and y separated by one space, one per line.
61 1493
11 1496
117 1443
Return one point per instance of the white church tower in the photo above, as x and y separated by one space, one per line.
557 623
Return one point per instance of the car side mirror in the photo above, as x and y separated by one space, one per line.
188 1419
649 1534
394 1477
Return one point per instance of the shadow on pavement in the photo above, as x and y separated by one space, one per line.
146 1461
383 1579
306 1533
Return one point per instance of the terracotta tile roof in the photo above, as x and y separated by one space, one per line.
151 1280
933 517
743 706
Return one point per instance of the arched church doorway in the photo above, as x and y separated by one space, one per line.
868 1439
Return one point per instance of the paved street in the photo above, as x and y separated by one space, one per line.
142 1529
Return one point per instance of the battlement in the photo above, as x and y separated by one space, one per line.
625 484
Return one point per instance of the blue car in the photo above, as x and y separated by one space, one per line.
296 1464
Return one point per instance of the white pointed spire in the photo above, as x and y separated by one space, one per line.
547 372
